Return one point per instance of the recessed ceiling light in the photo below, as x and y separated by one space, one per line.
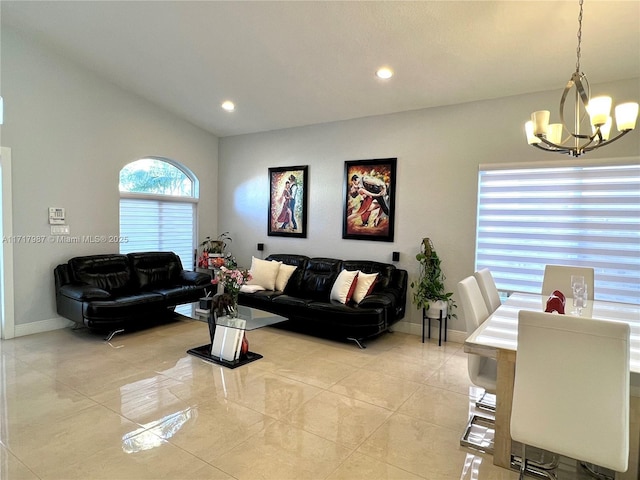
228 106
384 73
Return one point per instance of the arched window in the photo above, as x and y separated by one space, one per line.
158 200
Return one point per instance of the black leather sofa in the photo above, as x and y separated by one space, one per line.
306 302
114 292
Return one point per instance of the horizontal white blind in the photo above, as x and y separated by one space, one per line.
158 226
579 215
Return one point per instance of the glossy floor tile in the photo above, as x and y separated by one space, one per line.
73 406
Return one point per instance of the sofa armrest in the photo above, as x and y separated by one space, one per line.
83 292
188 277
392 298
377 300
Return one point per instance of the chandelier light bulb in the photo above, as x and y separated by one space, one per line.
554 133
540 121
531 138
605 130
626 115
599 109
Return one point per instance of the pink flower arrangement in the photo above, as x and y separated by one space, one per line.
232 279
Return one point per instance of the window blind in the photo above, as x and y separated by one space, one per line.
581 215
158 225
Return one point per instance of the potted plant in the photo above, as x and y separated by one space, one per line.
212 248
429 292
210 245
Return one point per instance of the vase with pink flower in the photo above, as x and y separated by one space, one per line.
232 279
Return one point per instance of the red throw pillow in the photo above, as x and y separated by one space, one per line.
366 282
342 287
354 284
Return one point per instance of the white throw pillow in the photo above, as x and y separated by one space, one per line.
284 274
251 288
366 282
264 273
343 286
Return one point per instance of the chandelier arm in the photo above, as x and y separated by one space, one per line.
607 142
548 146
537 145
575 151
590 140
551 147
555 146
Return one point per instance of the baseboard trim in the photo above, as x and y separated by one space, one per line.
454 336
57 323
48 325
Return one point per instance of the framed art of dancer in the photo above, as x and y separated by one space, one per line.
369 199
288 201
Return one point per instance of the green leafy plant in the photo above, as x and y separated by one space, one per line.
430 286
210 245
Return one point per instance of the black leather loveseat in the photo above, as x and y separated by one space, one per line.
114 292
306 301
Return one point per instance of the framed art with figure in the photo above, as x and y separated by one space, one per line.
369 199
288 201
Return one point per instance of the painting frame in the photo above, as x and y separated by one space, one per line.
287 212
369 199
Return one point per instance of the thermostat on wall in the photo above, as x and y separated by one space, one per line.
56 216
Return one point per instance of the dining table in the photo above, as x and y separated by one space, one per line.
497 337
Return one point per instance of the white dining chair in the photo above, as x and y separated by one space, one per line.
573 373
488 289
482 370
558 277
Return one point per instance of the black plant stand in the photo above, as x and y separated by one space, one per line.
440 321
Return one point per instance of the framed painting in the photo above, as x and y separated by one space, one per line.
369 199
288 201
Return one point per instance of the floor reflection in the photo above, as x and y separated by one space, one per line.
310 409
156 433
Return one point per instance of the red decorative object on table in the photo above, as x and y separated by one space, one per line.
244 348
555 303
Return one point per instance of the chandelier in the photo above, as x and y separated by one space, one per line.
549 136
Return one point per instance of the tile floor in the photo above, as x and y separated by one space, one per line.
73 406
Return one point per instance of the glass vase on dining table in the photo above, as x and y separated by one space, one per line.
579 298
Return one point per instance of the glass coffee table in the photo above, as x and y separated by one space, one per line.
226 336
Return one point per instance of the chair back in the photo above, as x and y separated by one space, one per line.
558 277
488 289
482 370
571 390
474 309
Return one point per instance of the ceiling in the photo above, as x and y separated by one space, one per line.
288 64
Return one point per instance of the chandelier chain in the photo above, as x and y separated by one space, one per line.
579 38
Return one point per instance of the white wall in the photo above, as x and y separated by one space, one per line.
70 133
438 153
